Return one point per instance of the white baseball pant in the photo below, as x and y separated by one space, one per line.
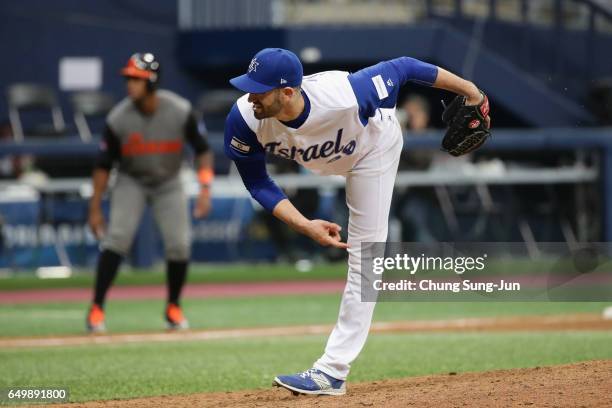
369 190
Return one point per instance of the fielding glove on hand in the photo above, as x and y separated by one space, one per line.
467 126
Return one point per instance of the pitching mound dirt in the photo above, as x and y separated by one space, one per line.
587 384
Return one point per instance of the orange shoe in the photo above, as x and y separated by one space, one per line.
174 318
95 319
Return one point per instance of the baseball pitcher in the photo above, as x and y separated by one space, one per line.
338 123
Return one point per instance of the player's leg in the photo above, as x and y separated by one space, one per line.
368 196
170 208
127 204
369 190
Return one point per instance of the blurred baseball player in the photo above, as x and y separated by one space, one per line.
338 123
144 137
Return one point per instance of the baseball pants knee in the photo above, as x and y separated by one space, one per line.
171 212
128 200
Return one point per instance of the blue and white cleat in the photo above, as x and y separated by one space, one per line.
313 382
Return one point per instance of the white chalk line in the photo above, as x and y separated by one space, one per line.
492 323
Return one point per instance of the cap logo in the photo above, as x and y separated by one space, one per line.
253 65
283 81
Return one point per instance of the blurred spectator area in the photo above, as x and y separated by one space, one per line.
554 52
248 13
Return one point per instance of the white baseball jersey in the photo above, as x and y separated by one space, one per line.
345 117
332 138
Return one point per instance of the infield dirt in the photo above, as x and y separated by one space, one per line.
586 384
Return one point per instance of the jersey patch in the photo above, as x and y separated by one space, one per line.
381 89
239 145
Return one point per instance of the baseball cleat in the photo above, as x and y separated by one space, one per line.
95 319
175 320
313 382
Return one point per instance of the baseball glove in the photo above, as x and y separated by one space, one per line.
467 126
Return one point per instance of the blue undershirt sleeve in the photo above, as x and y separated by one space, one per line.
378 86
241 145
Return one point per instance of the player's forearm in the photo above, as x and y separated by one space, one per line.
453 83
205 160
100 183
323 232
287 213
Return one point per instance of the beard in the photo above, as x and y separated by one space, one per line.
264 112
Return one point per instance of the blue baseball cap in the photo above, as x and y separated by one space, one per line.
270 68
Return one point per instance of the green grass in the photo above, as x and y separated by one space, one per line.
146 315
262 272
132 370
198 273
